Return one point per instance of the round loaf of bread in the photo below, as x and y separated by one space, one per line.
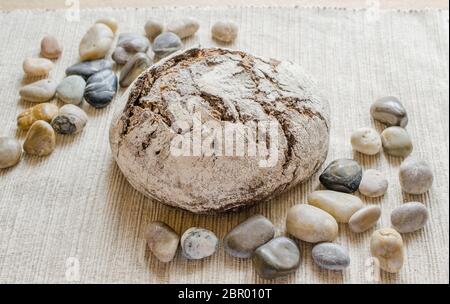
211 129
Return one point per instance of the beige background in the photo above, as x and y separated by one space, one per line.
52 4
76 203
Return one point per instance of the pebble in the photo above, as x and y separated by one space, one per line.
183 27
386 245
243 239
37 66
70 119
364 219
396 142
101 88
43 111
311 224
50 47
96 42
340 205
40 139
390 111
331 256
128 45
342 175
109 22
198 243
88 68
409 217
162 241
278 257
71 89
10 152
166 43
415 175
39 91
225 31
153 28
373 183
366 141
134 67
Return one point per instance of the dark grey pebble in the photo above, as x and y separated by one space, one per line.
87 68
243 239
342 175
101 88
278 257
331 256
390 111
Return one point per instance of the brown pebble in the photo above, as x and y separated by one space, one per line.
50 47
40 139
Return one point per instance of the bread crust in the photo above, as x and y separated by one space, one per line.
227 87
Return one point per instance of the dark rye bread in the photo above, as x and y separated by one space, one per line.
230 88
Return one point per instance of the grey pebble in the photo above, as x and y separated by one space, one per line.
409 217
87 68
128 45
133 68
331 256
166 43
71 89
10 152
243 239
101 88
278 257
396 142
342 175
70 119
415 175
198 243
390 111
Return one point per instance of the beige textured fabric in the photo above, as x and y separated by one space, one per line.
76 203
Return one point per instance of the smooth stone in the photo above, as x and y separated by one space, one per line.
10 152
96 42
415 175
121 56
162 241
166 43
70 120
409 217
330 256
71 89
37 66
109 22
50 47
225 31
311 224
153 28
342 175
386 245
134 67
366 141
396 142
198 243
43 111
88 68
340 205
373 183
39 91
133 42
389 110
40 139
364 219
278 257
101 88
183 27
243 239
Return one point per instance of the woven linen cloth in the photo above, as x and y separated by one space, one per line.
73 217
